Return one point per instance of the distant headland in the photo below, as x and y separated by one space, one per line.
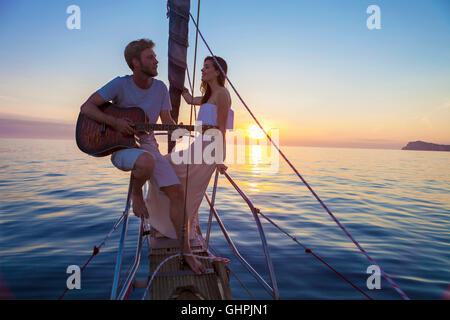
426 146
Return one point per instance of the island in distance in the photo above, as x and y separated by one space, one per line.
426 146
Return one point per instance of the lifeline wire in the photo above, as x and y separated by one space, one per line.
97 249
307 250
234 274
386 276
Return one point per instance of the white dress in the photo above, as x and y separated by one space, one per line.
158 204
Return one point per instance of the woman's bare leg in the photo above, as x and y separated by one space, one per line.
179 220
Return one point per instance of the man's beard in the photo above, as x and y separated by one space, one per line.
149 72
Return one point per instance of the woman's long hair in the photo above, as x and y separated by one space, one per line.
220 78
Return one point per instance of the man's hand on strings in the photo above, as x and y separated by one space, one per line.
124 126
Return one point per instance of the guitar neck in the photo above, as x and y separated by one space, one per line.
162 127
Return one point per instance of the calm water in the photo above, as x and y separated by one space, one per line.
57 203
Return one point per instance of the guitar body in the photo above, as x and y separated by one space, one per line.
99 140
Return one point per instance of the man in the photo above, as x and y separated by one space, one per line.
143 91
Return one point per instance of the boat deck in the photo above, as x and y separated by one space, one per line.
175 282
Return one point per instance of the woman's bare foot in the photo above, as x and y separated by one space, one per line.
139 208
194 264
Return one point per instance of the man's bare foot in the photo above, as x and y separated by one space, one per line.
139 208
194 264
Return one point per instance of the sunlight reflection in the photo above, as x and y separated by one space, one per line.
255 154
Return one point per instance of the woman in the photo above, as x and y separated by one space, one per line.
195 176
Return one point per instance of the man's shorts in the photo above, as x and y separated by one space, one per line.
163 173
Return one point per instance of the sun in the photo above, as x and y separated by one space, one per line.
255 132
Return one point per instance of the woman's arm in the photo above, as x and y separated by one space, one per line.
223 105
223 102
189 99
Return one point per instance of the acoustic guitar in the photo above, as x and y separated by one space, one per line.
99 140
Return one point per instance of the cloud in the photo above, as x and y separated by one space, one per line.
444 107
15 128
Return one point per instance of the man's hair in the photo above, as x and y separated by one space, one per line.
135 48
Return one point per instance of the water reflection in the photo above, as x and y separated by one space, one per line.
255 154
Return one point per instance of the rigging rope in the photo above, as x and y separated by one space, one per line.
386 276
96 249
116 225
192 93
195 60
307 250
189 149
233 273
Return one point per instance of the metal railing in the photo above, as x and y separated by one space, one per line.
137 257
135 266
271 290
121 245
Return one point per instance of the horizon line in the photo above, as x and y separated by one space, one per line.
13 128
65 138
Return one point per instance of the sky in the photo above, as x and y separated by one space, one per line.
312 69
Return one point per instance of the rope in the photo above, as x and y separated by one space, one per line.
307 250
192 93
116 225
386 276
189 149
97 249
195 58
234 274
218 259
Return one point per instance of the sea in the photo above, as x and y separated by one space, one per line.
57 203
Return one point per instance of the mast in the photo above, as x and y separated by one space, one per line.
178 11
